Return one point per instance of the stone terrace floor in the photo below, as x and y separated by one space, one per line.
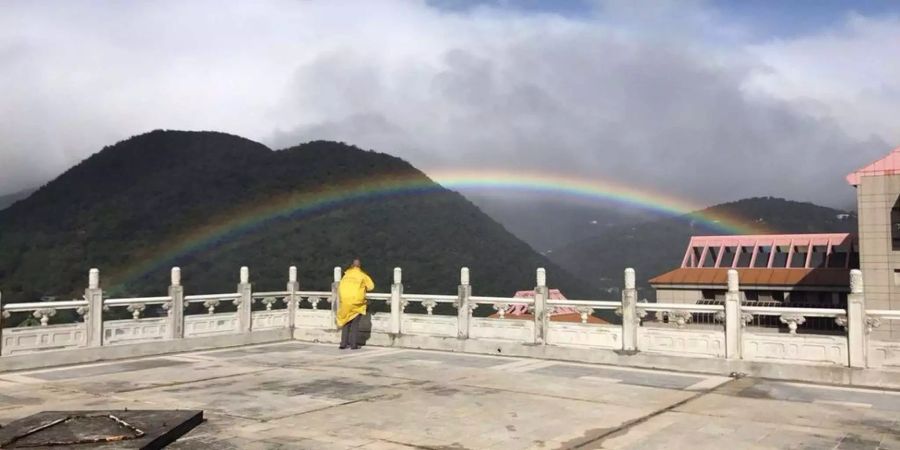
300 395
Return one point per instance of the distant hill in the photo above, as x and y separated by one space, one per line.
550 223
7 200
655 247
156 200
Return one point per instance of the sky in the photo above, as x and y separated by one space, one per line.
707 100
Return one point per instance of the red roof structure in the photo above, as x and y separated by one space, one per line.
889 165
822 260
559 314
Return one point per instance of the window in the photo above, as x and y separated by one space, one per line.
762 256
728 254
798 259
818 256
712 253
781 254
745 256
839 255
695 257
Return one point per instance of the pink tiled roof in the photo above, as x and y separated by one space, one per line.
889 165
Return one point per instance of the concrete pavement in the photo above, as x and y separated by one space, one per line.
302 395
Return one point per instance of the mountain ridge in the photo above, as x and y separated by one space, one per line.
137 196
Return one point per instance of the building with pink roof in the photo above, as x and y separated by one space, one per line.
805 270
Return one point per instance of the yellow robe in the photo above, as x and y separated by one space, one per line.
352 294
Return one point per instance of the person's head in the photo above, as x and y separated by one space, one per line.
355 263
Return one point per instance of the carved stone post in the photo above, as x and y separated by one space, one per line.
335 297
244 310
462 304
93 318
856 320
175 307
733 317
292 300
541 310
630 320
396 299
2 320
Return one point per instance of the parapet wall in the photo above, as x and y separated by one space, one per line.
723 339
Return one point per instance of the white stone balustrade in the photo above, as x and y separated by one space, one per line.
728 331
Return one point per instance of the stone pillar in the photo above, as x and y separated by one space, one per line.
462 304
175 307
630 319
244 310
2 321
733 324
292 300
396 301
541 310
335 297
93 318
856 320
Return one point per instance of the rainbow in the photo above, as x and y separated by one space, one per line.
245 218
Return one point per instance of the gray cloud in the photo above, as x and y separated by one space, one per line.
669 110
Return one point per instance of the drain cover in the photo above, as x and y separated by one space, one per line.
99 429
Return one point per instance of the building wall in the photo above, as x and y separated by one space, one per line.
876 196
678 296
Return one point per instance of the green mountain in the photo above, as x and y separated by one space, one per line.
655 247
212 202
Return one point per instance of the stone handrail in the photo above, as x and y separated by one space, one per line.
502 300
31 306
199 298
594 304
780 310
681 307
271 294
727 339
886 314
434 297
131 301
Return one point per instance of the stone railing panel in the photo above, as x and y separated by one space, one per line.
496 329
210 324
794 348
686 342
131 331
270 319
881 353
430 325
42 338
582 334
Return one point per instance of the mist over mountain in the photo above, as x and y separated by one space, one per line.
7 200
161 199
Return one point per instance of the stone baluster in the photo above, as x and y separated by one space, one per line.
245 305
175 307
335 297
396 299
93 318
733 325
541 312
462 304
630 319
856 321
293 299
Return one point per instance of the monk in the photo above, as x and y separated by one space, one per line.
352 303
